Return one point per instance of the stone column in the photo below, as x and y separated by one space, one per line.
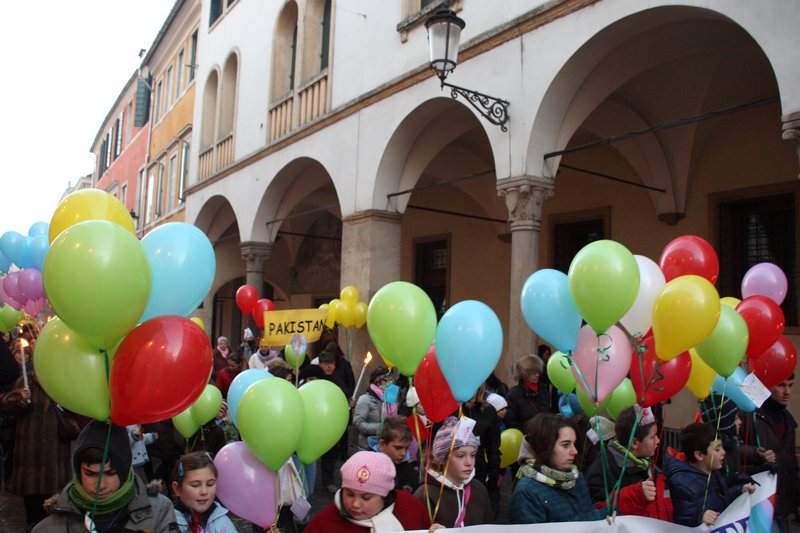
370 260
791 131
255 255
525 196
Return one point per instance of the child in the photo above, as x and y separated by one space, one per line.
454 496
139 441
367 501
500 405
549 486
233 365
696 498
642 488
394 441
194 484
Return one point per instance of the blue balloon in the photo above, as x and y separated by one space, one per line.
183 265
5 262
239 385
38 250
469 341
39 228
733 389
549 310
15 247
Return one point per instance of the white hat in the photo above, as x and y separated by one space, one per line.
498 402
248 334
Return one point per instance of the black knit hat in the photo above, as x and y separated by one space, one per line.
94 435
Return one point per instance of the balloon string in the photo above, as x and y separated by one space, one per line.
716 436
655 377
447 463
93 512
604 463
428 445
640 349
618 485
580 375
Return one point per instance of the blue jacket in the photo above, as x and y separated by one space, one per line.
687 486
533 502
218 522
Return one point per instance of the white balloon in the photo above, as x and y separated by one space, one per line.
639 317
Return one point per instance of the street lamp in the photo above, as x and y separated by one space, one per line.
444 32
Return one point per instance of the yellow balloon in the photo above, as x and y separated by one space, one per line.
349 294
89 204
330 320
386 362
510 443
701 377
730 301
199 321
344 314
360 314
685 312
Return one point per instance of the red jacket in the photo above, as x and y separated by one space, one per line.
631 500
408 510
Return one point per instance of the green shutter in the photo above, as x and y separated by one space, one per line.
142 114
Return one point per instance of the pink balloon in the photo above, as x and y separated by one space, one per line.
29 282
34 307
245 486
602 361
11 286
765 279
6 299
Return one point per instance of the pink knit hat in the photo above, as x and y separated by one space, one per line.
371 472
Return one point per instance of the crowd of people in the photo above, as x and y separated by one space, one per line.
76 474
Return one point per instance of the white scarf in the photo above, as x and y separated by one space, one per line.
458 489
383 522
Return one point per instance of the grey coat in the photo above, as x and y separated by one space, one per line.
367 418
147 511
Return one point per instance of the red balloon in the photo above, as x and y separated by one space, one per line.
262 306
433 390
160 369
765 323
689 254
246 297
776 364
664 384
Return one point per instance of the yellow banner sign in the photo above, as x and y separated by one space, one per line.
279 326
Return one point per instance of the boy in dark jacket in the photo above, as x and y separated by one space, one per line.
698 488
394 441
642 490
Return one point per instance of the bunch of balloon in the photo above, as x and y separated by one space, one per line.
204 409
348 312
21 287
102 281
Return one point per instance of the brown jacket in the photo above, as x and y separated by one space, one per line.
42 463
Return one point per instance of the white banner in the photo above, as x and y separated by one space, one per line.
735 519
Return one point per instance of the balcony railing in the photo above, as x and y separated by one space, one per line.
216 157
299 107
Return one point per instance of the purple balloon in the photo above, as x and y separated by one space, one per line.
29 282
765 279
6 299
11 286
245 486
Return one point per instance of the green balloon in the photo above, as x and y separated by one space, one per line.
185 423
97 278
621 397
724 348
207 405
589 407
603 280
326 416
292 358
271 416
9 318
559 372
72 371
401 321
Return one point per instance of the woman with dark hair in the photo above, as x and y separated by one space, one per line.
550 488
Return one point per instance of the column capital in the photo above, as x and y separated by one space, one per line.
525 197
791 131
255 254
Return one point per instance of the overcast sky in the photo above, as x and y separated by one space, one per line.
64 65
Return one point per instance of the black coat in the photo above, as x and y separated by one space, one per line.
524 404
